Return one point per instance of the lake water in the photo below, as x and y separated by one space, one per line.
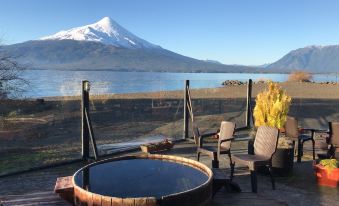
63 83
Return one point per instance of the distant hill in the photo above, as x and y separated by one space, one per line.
105 45
213 61
316 59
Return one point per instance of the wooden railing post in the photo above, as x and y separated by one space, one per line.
186 111
87 129
84 125
249 104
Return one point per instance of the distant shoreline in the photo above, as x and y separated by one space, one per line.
188 72
46 83
294 89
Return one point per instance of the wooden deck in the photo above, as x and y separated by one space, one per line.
41 185
244 199
221 198
37 198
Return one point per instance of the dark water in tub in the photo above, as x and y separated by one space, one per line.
139 178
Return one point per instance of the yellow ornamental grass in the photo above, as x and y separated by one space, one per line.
271 106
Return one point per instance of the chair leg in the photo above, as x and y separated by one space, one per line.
296 150
299 151
232 170
254 181
198 156
215 161
313 145
331 152
272 177
230 157
232 164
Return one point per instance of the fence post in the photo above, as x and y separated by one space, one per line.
84 125
186 112
249 104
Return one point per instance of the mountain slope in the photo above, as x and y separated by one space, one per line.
90 55
313 59
105 31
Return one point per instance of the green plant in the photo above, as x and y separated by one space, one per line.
271 107
329 164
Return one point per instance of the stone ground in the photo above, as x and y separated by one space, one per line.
299 189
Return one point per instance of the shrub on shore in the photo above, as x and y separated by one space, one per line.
300 76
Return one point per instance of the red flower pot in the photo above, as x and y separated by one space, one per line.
326 178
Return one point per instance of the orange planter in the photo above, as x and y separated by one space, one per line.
325 178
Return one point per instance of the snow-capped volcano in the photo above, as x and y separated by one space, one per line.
105 45
106 31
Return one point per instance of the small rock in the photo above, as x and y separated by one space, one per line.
233 83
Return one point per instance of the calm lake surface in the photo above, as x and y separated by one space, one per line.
45 83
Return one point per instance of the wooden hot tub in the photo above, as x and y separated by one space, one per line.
143 180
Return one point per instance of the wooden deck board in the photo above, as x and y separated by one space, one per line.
37 198
243 199
221 198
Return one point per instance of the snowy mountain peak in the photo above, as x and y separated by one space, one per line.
106 21
106 31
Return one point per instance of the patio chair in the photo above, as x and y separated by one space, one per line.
297 134
333 138
265 145
224 142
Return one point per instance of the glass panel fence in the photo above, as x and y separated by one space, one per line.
129 109
140 113
37 131
313 104
213 102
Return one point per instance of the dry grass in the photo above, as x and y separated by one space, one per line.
300 76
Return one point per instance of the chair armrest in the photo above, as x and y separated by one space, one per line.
322 131
225 140
302 130
208 134
201 138
314 130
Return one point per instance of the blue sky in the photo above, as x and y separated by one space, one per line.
233 32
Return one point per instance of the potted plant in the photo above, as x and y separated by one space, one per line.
271 106
271 109
327 172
